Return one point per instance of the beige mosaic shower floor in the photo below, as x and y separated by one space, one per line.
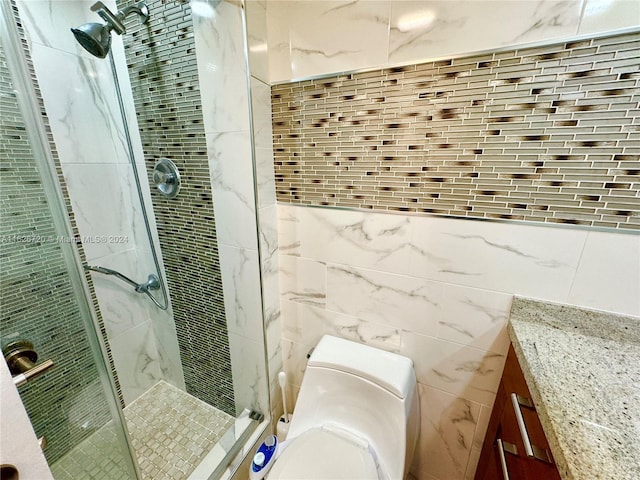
170 430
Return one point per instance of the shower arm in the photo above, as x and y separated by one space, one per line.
116 21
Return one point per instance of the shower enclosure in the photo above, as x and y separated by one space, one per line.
151 307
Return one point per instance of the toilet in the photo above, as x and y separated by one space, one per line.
356 417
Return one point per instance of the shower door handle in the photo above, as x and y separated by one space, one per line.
21 360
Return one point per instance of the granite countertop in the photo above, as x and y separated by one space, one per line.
583 370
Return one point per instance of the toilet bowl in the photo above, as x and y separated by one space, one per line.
356 417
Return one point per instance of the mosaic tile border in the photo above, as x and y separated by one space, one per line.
166 90
542 134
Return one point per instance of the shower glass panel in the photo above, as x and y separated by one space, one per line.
73 404
190 380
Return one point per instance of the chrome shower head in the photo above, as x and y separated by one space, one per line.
96 37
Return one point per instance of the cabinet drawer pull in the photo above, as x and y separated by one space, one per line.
530 450
505 447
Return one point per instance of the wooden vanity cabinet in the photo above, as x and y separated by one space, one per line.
504 433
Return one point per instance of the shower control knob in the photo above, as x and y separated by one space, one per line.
166 177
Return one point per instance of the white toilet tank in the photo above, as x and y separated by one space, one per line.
367 392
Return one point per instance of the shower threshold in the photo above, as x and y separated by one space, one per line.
171 432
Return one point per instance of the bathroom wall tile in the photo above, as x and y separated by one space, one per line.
249 374
294 357
279 50
461 371
48 22
474 317
329 36
482 425
534 261
231 172
397 301
136 361
221 61
274 352
256 11
608 15
431 29
289 229
122 308
307 324
107 224
241 280
472 464
79 97
261 110
269 256
607 277
166 339
369 240
446 434
265 177
303 280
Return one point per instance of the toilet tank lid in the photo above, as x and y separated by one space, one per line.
388 370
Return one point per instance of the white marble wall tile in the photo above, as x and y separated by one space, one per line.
329 36
241 279
121 306
166 338
249 374
475 317
395 300
256 11
307 324
369 240
102 208
608 276
221 64
289 229
461 371
530 260
270 264
79 97
472 464
607 15
230 166
263 142
446 434
303 280
274 352
294 357
48 22
278 42
429 29
136 360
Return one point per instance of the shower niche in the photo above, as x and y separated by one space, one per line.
197 368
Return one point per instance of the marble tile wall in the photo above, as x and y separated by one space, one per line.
79 96
307 38
237 124
438 290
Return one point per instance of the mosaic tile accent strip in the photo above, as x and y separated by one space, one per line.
164 78
545 134
171 433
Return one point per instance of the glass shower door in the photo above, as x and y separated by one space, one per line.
45 316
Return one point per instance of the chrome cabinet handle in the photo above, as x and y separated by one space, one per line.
529 449
508 447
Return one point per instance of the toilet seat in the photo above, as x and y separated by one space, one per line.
325 454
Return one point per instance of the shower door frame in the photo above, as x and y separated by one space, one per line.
26 97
